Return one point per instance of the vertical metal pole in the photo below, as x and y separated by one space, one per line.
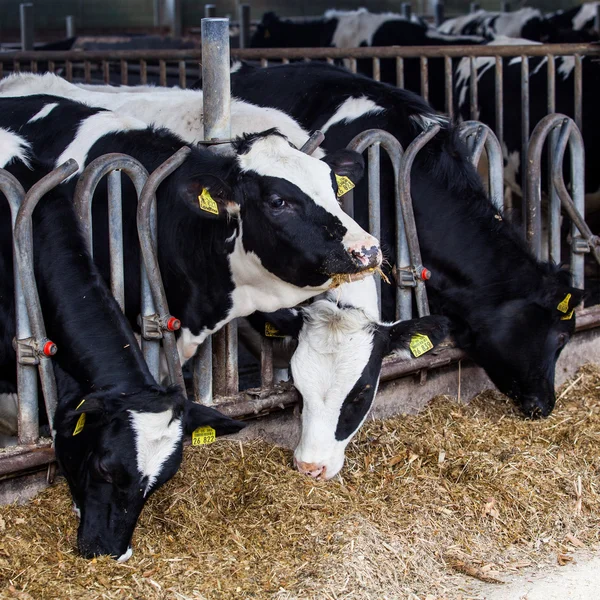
217 125
26 17
158 12
524 132
374 203
406 10
597 18
173 17
505 7
474 7
115 238
210 11
438 13
70 25
244 13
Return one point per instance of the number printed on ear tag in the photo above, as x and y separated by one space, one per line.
272 331
344 185
207 203
203 435
420 344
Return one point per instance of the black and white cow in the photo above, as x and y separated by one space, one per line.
180 111
280 236
501 301
578 19
351 29
538 107
118 435
527 23
341 343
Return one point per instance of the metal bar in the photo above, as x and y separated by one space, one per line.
315 53
115 238
146 226
70 26
24 459
203 367
406 10
505 7
448 86
87 71
578 111
438 13
474 7
106 71
143 72
313 142
23 242
499 106
374 169
69 71
474 109
210 11
399 71
376 69
244 15
182 75
124 72
33 66
424 78
553 250
27 26
266 363
27 387
524 129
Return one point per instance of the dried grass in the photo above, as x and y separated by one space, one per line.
456 489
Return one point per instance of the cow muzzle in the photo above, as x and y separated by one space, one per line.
314 470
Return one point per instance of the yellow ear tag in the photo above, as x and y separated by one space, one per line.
419 344
344 185
568 316
272 331
203 435
563 306
207 204
80 424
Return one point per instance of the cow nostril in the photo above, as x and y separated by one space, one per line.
312 469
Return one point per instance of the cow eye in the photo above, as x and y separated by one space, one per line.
277 202
103 472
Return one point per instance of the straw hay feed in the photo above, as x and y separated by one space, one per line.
425 500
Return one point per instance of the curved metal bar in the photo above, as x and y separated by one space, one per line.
574 205
27 388
409 217
377 138
485 138
23 242
313 142
146 226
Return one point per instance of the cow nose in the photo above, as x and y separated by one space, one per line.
313 469
535 408
366 254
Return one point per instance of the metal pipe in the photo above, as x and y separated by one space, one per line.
70 26
27 26
524 129
244 14
115 238
505 7
23 241
313 142
406 10
438 13
146 226
374 170
210 11
474 7
203 377
27 388
266 363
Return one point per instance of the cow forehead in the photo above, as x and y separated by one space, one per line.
272 156
157 436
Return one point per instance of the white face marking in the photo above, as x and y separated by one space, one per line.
91 130
272 156
125 557
13 147
157 436
178 110
334 346
352 109
44 112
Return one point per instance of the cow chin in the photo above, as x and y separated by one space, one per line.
323 469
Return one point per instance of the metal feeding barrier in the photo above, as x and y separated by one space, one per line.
215 368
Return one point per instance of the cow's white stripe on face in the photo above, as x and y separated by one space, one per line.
13 147
91 130
44 112
157 436
272 156
352 109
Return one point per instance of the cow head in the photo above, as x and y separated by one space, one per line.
336 369
292 239
116 450
519 340
270 32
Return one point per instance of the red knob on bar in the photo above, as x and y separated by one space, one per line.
49 349
173 324
425 274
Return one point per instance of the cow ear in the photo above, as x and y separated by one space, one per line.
564 301
196 415
346 164
418 336
86 413
210 196
286 322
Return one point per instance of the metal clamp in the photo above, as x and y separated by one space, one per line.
154 326
29 350
580 245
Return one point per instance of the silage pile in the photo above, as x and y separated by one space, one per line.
456 488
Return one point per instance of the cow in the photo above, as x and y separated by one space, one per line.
538 107
118 435
578 19
259 230
528 23
351 29
505 306
180 111
341 342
